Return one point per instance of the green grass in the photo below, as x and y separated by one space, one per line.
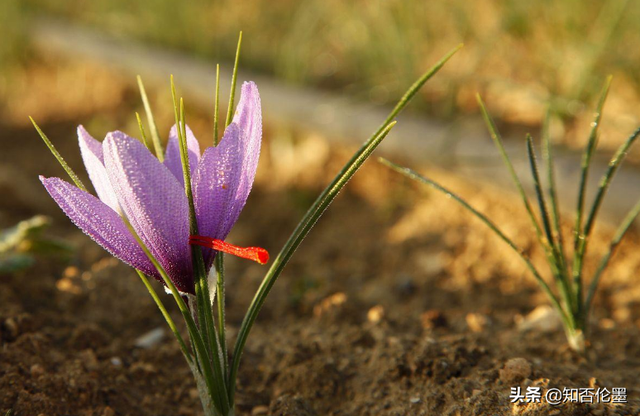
567 292
373 51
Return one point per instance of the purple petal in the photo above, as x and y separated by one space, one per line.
99 222
154 202
216 182
172 158
225 174
91 151
249 118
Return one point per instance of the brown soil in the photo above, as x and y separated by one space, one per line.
398 303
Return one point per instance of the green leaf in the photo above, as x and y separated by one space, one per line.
554 256
586 163
59 157
216 106
620 233
11 238
544 212
497 139
142 133
314 213
15 262
547 155
215 387
205 311
417 177
614 165
155 137
234 77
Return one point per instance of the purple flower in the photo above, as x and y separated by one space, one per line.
130 181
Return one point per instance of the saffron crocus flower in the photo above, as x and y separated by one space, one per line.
131 182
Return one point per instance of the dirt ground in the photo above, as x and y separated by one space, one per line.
398 303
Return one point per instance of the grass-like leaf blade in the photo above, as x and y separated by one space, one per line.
620 233
547 155
155 137
234 78
313 214
59 157
216 106
205 311
417 177
586 163
497 139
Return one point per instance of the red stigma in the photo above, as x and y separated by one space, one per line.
256 254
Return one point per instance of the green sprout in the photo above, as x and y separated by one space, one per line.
573 295
20 243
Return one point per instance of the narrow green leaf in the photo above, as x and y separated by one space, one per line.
220 297
580 240
417 177
547 155
497 139
11 238
314 213
581 250
414 88
166 315
142 133
184 156
555 256
296 238
544 212
606 179
586 163
155 137
214 387
216 139
59 157
620 233
234 78
205 312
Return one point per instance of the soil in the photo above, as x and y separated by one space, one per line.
398 303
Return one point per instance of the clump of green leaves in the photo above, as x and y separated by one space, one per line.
573 294
19 244
214 366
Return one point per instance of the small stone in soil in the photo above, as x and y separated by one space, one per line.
543 318
329 303
414 400
432 319
11 328
193 393
406 287
36 370
89 359
375 314
107 411
515 370
150 339
260 410
477 322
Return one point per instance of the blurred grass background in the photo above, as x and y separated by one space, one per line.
519 55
